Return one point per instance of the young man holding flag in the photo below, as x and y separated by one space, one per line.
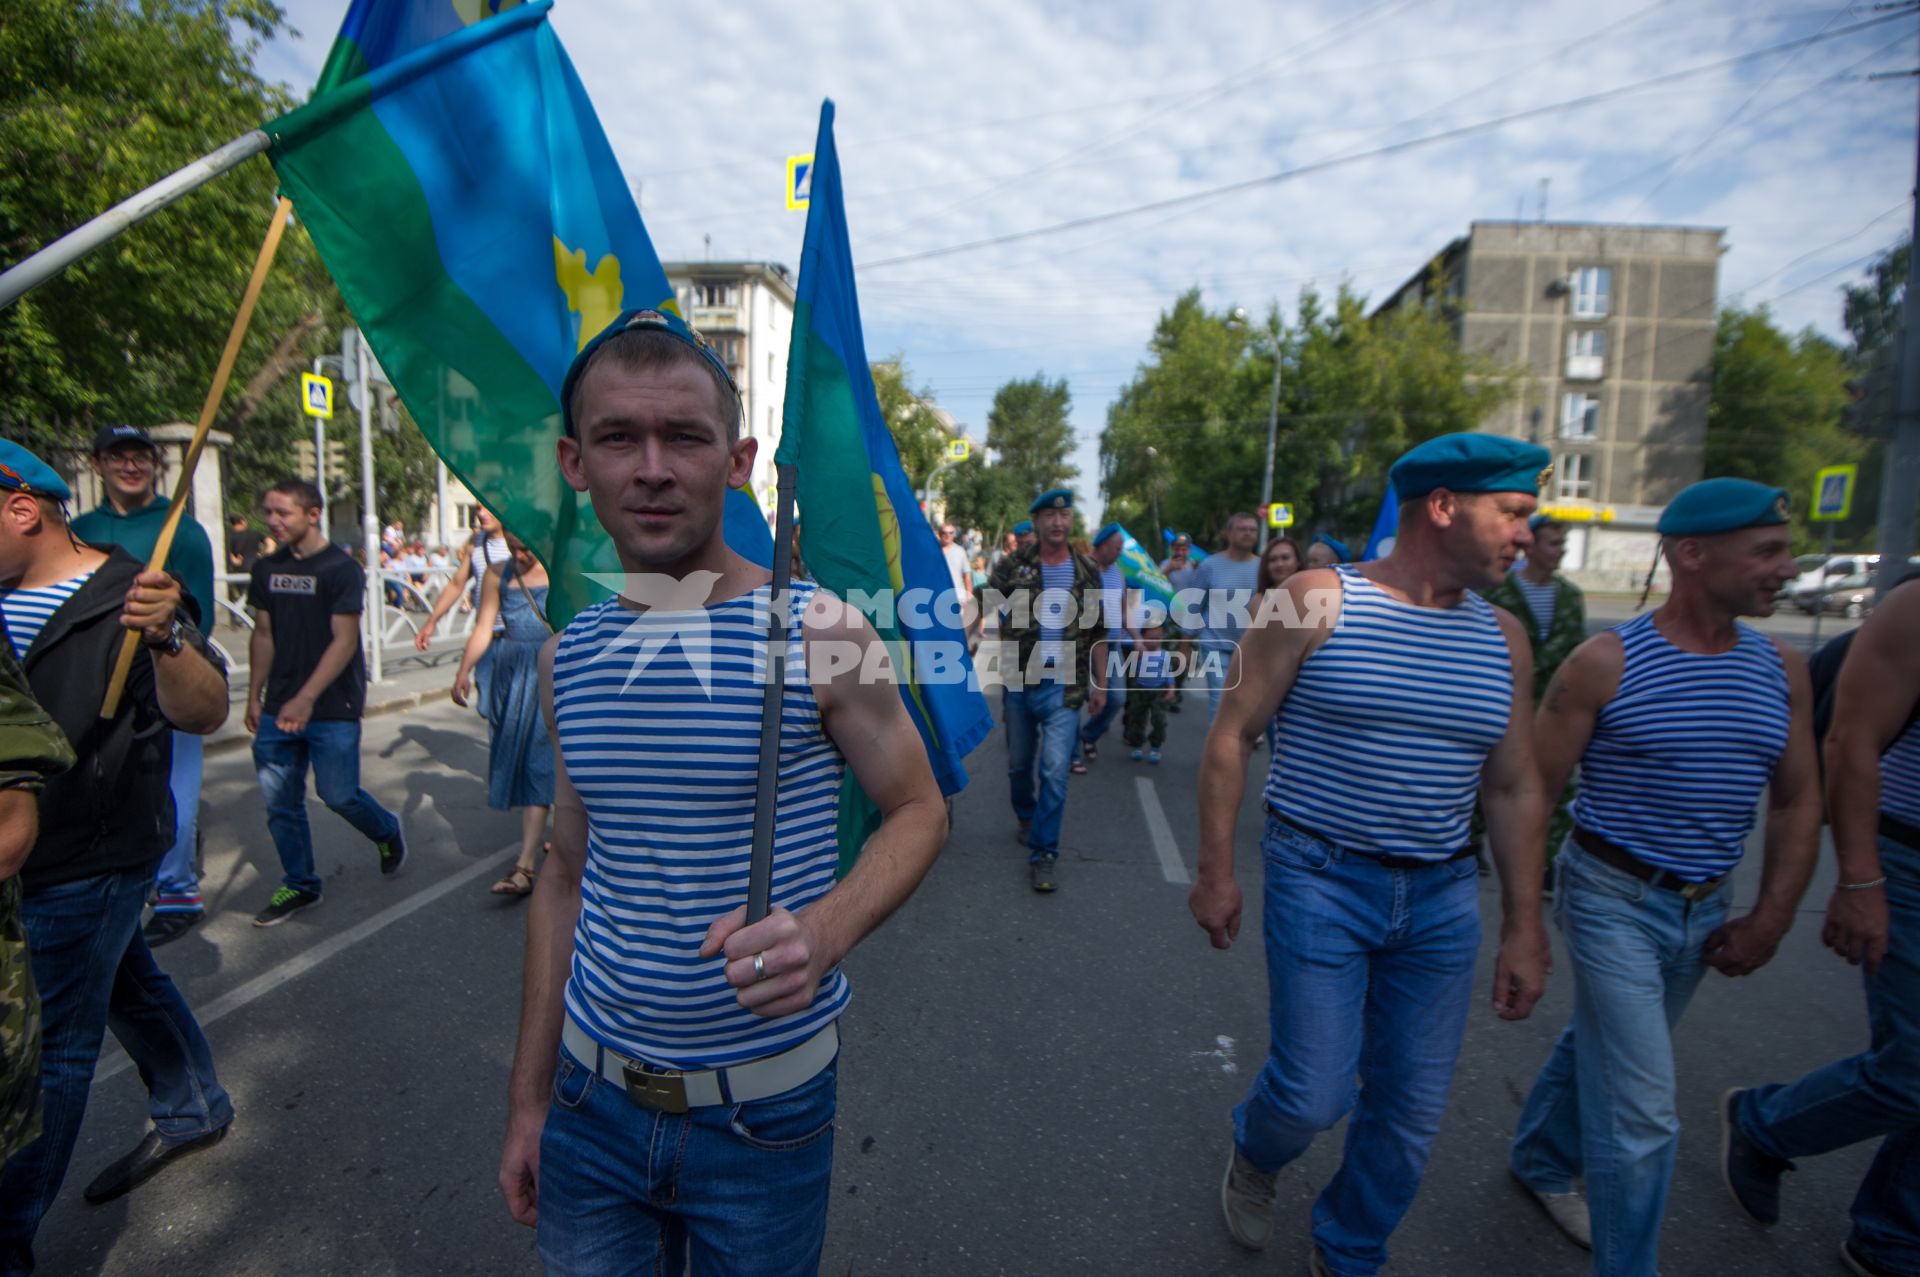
674 1085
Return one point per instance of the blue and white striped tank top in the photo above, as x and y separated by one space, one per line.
1680 754
659 723
1380 743
1900 776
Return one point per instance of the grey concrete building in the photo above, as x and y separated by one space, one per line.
1612 327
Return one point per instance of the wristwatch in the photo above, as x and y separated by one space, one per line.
175 640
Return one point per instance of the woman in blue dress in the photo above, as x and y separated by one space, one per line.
520 754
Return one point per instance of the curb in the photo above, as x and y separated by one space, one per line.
409 700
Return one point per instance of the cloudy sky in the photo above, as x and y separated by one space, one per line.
962 123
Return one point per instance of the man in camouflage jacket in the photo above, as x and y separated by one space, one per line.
1524 593
1052 618
32 748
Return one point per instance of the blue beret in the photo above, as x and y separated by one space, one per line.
21 471
1539 521
1723 505
1471 462
1338 547
658 321
1058 499
1023 528
1112 529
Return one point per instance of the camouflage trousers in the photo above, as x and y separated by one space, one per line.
19 1029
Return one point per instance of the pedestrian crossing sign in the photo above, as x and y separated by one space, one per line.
1279 515
799 181
958 449
316 395
1833 494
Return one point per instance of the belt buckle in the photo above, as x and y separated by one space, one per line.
664 1091
1695 892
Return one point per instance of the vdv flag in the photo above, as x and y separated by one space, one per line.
1385 527
1141 573
466 202
861 530
376 32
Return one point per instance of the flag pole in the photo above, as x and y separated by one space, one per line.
760 873
30 273
184 484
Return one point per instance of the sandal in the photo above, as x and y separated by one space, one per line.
517 882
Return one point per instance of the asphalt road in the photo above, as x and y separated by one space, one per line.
1030 1084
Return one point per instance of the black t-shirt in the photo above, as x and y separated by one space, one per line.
246 544
301 597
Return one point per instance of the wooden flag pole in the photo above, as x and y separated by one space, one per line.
117 685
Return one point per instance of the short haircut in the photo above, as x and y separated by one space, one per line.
647 350
302 491
1238 515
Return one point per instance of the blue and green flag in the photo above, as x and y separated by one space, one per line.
861 530
469 207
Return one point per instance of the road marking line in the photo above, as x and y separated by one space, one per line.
300 964
1172 868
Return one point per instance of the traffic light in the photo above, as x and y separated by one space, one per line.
336 462
1872 393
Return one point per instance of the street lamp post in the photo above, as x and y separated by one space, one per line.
1153 492
1238 319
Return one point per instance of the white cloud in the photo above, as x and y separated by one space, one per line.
958 123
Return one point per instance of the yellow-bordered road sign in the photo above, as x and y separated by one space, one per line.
1833 493
799 180
316 395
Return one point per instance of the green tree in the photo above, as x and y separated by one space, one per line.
1774 416
1356 391
99 98
1027 430
909 413
1871 311
988 497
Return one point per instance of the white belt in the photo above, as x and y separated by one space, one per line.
672 1091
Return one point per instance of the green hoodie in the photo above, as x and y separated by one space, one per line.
191 558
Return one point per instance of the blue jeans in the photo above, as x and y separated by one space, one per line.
1369 972
627 1190
95 971
1868 1095
1214 662
332 747
1040 728
177 886
1116 685
1603 1105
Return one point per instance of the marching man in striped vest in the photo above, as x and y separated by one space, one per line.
1678 719
673 1091
1397 694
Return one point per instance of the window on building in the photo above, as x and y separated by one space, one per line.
1573 477
1592 292
769 365
715 292
728 348
1586 354
1579 416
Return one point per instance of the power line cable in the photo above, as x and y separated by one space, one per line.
1394 148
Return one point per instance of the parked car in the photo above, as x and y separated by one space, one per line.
1843 584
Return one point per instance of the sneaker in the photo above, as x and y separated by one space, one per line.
286 902
164 928
1568 1211
1750 1174
1858 1264
1044 873
1135 755
1077 767
1246 1197
1153 756
393 851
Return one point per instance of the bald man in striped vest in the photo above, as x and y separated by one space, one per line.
1395 694
1678 719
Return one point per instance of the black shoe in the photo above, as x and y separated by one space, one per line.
1859 1264
286 902
164 928
1044 873
393 851
1751 1174
141 1165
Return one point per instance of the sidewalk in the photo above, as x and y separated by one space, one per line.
412 678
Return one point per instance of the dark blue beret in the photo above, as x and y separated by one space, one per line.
21 471
1023 528
1112 529
1057 499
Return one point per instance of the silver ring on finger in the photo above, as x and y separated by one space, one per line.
760 966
